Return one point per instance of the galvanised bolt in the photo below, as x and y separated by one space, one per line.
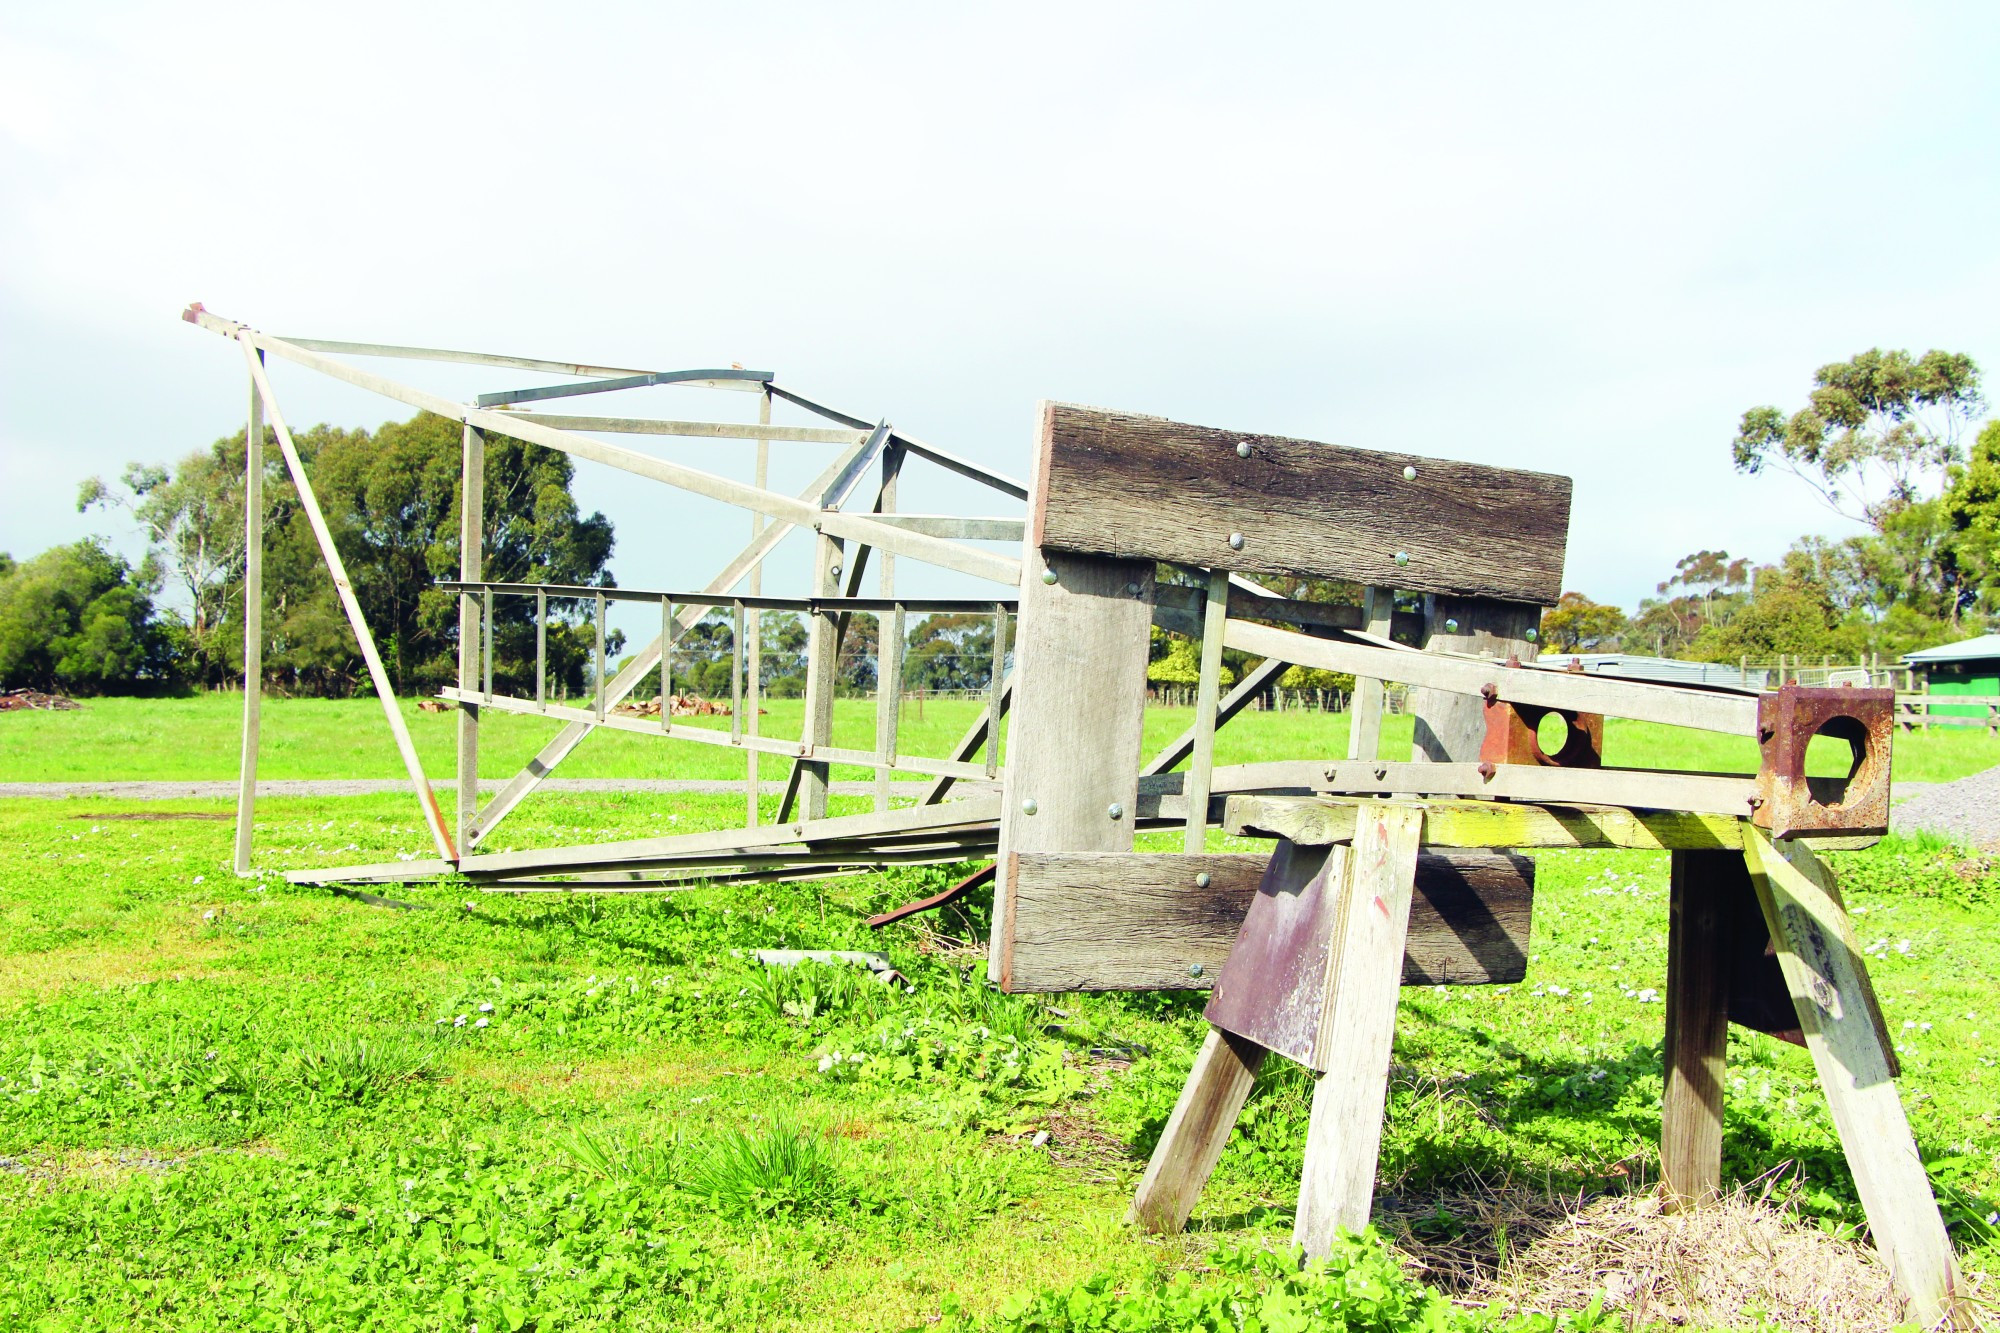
1235 541
1116 811
1201 880
1402 557
1194 969
1531 636
1409 473
1450 626
1028 807
1048 576
1243 448
836 571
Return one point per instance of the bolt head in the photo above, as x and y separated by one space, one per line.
1049 576
1194 969
1201 881
1235 541
1243 448
1450 626
1409 473
1115 811
1531 636
836 571
1131 590
1028 807
1402 557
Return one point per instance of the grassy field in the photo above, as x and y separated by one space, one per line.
234 1104
197 737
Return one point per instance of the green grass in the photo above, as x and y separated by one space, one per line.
197 738
231 1103
220 1097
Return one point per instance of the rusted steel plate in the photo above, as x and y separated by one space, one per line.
1512 736
1273 987
1789 802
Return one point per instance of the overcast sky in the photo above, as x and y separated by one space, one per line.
1578 239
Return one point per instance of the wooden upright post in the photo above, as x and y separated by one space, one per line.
1830 991
1208 691
1449 727
471 557
253 623
1697 1024
1364 715
1364 970
1198 1130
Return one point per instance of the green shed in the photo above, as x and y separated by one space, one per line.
1969 667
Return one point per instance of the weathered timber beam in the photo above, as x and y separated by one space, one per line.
1138 921
1640 701
1320 820
1131 486
1705 793
976 810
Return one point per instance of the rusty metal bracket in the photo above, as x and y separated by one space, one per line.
1789 802
1512 737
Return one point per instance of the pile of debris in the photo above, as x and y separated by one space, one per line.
22 700
685 705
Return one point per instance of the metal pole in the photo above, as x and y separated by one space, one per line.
736 672
541 650
253 623
888 642
667 628
471 625
486 627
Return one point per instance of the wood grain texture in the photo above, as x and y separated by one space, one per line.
1450 726
1697 1023
1139 921
1828 983
1119 484
1364 727
1344 1133
1448 823
1642 701
1224 1071
1079 700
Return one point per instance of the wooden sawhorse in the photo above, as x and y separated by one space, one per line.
1316 966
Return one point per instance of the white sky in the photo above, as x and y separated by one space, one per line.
1579 239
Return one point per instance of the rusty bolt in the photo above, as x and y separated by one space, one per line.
1490 692
1486 769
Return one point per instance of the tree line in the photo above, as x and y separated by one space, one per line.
1880 440
82 619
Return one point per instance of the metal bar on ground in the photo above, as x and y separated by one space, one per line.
309 503
253 625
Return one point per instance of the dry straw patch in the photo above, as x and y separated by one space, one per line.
1742 1260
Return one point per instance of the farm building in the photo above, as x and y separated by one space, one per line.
1969 667
1670 670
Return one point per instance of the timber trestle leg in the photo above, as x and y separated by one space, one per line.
1313 976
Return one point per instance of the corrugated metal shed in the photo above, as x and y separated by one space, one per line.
1671 671
1985 647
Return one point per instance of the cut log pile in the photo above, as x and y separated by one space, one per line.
685 705
14 701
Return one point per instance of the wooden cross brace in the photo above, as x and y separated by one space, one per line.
1314 976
